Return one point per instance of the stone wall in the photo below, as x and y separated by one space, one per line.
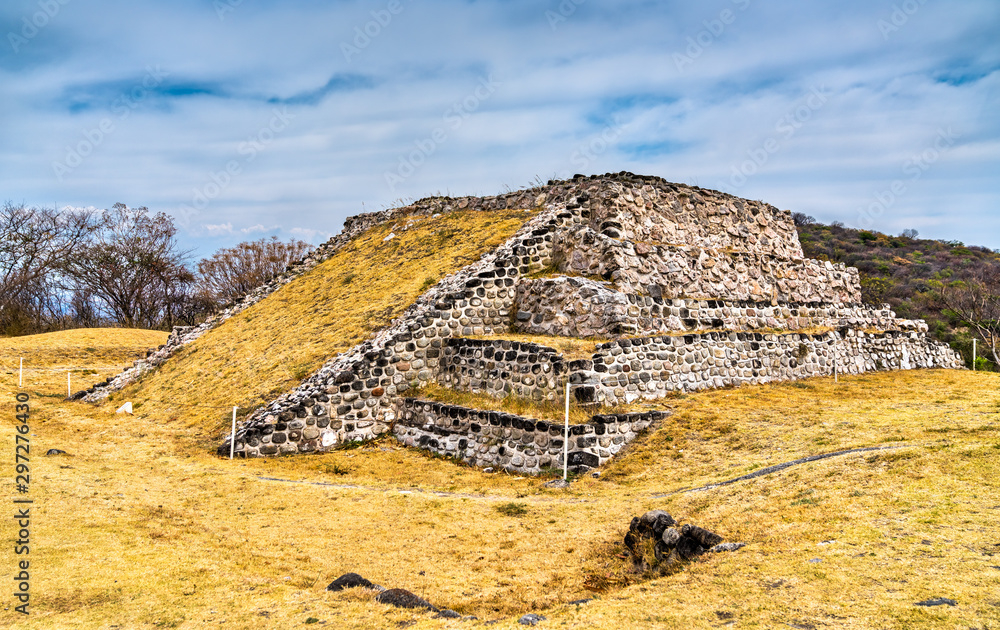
670 271
581 307
514 443
360 387
627 370
356 395
658 212
502 367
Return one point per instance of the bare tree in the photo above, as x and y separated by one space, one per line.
801 218
975 301
35 244
132 266
230 273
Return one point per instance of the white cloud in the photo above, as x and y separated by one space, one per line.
886 100
219 230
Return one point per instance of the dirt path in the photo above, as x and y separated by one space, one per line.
549 499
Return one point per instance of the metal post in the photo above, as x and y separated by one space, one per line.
20 374
69 386
232 440
566 437
974 354
836 371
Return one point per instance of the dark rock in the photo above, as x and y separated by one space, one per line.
402 598
670 537
937 601
656 522
582 459
577 602
447 613
350 580
688 548
531 619
632 541
661 551
55 451
704 537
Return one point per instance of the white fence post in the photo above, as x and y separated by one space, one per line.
566 435
974 354
232 440
20 374
69 385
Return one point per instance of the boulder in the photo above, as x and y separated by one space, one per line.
352 580
402 598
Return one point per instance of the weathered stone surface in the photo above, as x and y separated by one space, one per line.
704 537
656 522
402 598
724 547
351 580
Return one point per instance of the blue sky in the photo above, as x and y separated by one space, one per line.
246 118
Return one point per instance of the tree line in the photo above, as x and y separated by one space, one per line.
953 286
122 266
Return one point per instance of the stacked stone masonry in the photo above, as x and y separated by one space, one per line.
514 443
656 211
627 370
671 271
671 258
502 368
581 307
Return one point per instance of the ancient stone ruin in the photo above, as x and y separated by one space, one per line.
695 289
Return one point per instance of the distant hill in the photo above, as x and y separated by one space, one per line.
900 270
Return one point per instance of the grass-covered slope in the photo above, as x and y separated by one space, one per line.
142 526
266 350
82 348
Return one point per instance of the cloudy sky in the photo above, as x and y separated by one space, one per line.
246 118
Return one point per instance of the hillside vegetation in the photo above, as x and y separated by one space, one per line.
901 271
268 349
142 526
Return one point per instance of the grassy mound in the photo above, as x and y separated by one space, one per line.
268 349
90 354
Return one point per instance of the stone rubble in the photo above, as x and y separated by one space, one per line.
655 543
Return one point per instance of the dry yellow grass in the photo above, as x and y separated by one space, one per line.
552 411
143 527
266 350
